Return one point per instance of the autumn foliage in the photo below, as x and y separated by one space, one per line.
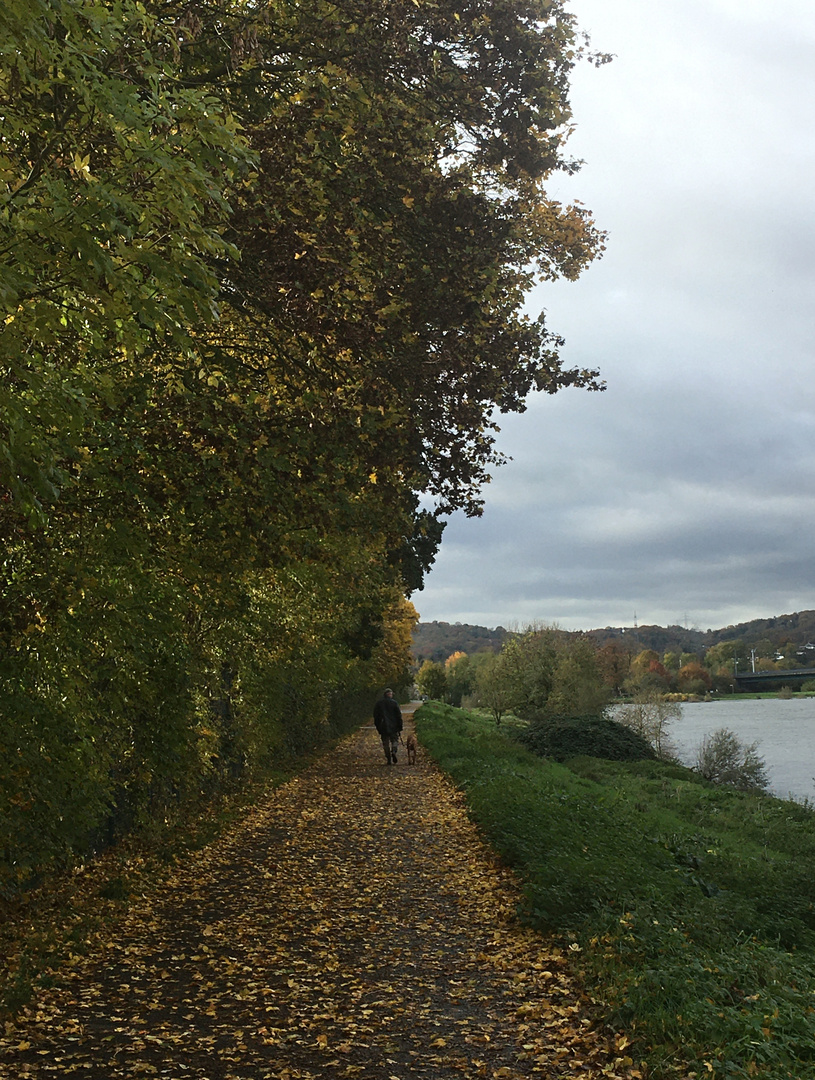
262 271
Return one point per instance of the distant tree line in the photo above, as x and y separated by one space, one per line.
781 643
613 670
560 686
538 671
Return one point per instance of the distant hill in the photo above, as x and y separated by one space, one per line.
797 628
438 640
661 639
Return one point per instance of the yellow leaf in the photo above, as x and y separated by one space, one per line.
82 166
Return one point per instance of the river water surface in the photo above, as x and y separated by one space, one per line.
784 731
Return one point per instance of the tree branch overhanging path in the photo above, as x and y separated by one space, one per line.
353 925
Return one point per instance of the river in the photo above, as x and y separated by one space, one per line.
784 731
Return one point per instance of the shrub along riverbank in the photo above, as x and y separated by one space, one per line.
690 908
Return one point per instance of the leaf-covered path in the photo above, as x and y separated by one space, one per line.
354 925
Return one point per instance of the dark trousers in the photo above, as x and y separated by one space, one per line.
390 744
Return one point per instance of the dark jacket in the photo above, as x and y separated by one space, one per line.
387 716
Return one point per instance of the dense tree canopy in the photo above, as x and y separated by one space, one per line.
262 268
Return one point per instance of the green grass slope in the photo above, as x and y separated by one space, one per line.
690 908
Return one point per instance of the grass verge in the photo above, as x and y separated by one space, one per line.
691 908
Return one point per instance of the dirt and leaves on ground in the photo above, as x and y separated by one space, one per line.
352 925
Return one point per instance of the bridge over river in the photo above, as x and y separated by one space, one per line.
772 680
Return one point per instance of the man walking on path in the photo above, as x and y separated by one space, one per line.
388 722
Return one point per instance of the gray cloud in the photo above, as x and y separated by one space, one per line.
687 490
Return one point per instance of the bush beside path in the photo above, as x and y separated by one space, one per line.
353 924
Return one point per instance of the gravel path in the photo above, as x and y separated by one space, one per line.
352 926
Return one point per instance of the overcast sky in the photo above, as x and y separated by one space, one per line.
685 493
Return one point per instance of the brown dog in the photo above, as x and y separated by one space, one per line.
411 746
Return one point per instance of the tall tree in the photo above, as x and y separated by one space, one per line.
494 685
262 274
